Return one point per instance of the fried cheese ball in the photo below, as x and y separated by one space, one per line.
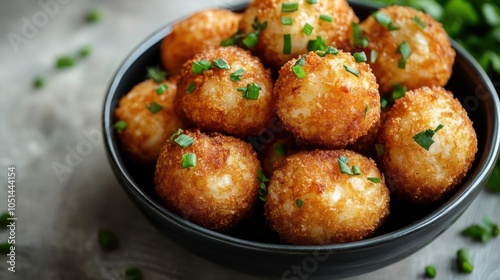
334 27
201 30
310 201
333 105
236 99
216 193
427 116
149 118
431 56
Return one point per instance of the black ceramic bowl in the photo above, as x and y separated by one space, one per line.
252 248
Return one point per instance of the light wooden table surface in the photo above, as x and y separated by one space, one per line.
58 219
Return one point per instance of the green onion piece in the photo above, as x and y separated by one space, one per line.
262 178
85 51
379 149
108 241
312 2
191 88
358 37
156 74
262 185
154 107
326 18
161 89
482 232
329 50
384 102
251 92
342 161
289 7
120 125
280 149
221 64
464 260
286 20
251 40
307 29
430 271
419 22
316 45
494 229
188 160
133 273
184 140
375 180
199 66
384 20
493 184
5 248
4 220
301 61
424 138
299 71
373 56
234 40
177 133
405 50
356 170
65 62
287 46
39 82
398 91
360 57
93 16
366 109
236 75
299 202
258 26
351 70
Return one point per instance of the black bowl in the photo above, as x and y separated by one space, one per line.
252 247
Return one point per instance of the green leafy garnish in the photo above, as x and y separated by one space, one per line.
398 91
351 70
287 44
93 16
262 185
120 126
221 64
65 62
154 107
199 67
360 57
39 82
326 18
384 20
289 7
375 180
405 50
280 149
161 89
177 133
329 50
299 202
316 45
156 74
483 232
464 261
184 140
286 20
188 160
85 51
307 29
358 37
424 138
237 75
191 88
430 271
419 22
251 92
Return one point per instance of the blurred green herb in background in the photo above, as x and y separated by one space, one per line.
476 26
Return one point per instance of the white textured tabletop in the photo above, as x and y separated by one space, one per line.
59 213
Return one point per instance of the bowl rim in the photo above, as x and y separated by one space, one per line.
489 158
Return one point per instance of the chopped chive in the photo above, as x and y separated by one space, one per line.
156 74
430 271
375 180
262 185
326 18
307 29
342 161
258 26
251 92
154 107
405 50
299 71
199 66
108 241
161 89
316 45
358 37
379 149
85 51
398 91
289 7
280 149
367 108
120 125
373 56
424 138
191 88
188 160
299 202
251 40
356 170
351 70
384 102
236 75
301 61
133 273
184 140
482 232
65 62
464 260
312 2
360 57
39 82
221 64
419 22
177 133
234 40
329 50
286 20
384 20
287 46
93 16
